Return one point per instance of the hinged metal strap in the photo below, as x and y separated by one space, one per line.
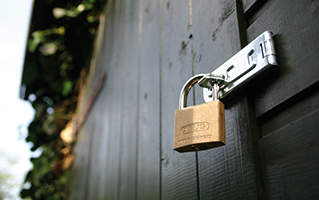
256 57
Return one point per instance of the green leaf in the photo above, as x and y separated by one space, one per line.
67 88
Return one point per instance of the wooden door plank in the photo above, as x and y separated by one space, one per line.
104 105
96 180
90 112
251 6
93 151
148 174
296 33
226 172
79 173
114 101
103 137
128 149
116 98
178 169
248 4
90 146
290 159
293 113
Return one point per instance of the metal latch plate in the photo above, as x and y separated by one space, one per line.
256 57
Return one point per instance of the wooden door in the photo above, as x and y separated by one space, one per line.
149 49
286 105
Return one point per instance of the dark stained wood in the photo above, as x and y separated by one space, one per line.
251 6
226 172
178 170
116 86
81 165
294 112
296 29
103 171
87 175
97 154
248 4
287 103
102 112
290 159
148 143
149 49
92 170
90 103
128 149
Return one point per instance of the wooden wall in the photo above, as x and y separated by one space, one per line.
148 49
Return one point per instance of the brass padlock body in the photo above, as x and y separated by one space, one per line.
200 127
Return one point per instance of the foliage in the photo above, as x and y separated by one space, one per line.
58 52
7 180
5 185
44 182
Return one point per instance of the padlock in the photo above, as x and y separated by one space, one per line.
201 126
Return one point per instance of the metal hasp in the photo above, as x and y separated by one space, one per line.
255 58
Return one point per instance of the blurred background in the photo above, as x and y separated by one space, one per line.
45 66
15 114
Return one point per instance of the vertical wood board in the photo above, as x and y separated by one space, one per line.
104 104
116 74
93 151
226 172
128 153
296 34
148 181
79 173
178 170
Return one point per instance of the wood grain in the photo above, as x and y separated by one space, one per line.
226 172
116 98
128 149
178 170
104 106
81 165
148 119
251 6
290 159
150 48
296 34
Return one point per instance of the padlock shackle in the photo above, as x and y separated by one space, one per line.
186 88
